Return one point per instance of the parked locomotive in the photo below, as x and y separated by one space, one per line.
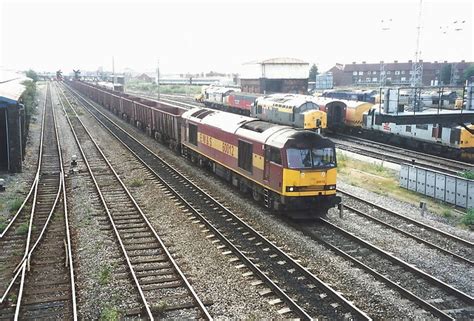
289 170
285 109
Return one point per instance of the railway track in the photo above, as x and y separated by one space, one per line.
434 296
162 287
304 295
399 155
40 284
449 244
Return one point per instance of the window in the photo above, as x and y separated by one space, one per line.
361 73
311 158
245 156
374 72
259 109
408 129
388 72
422 126
403 79
374 79
354 73
274 155
369 72
397 72
389 78
193 134
403 72
367 79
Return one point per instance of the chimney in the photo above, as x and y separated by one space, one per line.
421 60
463 61
353 62
396 61
381 62
363 62
445 61
410 61
435 62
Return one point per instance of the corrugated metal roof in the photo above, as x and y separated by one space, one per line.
10 91
275 61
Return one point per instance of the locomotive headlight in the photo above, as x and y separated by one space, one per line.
291 189
332 186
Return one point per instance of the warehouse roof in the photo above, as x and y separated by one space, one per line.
10 91
276 61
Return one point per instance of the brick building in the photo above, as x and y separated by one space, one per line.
395 73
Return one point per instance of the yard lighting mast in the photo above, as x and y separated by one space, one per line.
158 76
417 66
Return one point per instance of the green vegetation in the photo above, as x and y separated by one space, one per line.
447 213
105 274
445 74
3 223
22 229
467 174
468 73
28 99
159 308
468 219
137 182
32 74
109 314
15 205
313 72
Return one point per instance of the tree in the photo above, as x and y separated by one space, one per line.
32 74
445 74
469 73
313 72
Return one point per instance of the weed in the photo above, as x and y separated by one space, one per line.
468 219
447 213
467 174
109 314
22 229
15 205
3 223
160 307
137 182
105 274
12 298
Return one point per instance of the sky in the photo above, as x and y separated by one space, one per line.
200 36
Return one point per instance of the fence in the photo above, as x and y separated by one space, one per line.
448 188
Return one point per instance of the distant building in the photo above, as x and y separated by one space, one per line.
144 77
324 81
395 73
277 75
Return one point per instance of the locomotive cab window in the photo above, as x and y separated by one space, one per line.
193 134
311 158
245 156
273 155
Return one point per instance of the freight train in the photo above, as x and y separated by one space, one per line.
292 171
284 109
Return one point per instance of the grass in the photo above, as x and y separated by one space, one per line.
383 181
105 274
15 205
109 314
137 182
151 88
22 229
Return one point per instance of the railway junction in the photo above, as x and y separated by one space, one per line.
110 222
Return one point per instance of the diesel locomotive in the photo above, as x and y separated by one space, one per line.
289 170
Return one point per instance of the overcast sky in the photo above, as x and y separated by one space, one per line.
195 36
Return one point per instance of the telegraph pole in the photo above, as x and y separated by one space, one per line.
113 71
158 76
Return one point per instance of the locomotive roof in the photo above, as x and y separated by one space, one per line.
292 100
221 90
247 127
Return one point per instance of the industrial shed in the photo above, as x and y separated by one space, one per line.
12 125
276 75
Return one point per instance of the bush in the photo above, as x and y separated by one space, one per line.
105 273
467 174
468 219
22 229
3 223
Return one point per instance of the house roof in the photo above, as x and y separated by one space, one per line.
11 90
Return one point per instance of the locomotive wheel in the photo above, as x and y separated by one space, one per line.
256 195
